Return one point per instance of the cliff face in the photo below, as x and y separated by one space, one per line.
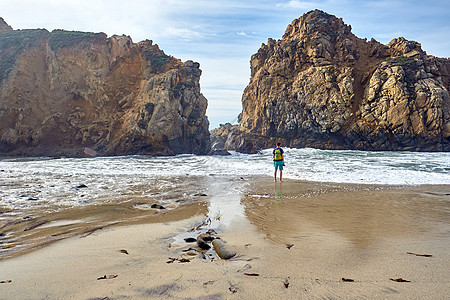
63 91
321 86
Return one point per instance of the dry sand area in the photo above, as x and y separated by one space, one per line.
293 240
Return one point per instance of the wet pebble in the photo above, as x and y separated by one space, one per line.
81 186
206 236
203 239
157 206
190 240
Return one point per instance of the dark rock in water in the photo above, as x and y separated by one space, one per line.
82 186
202 244
200 195
207 236
33 198
190 240
154 194
158 206
202 240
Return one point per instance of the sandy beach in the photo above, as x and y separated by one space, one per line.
293 240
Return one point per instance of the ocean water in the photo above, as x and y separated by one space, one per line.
45 199
56 184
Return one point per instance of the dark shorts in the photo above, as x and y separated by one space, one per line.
278 164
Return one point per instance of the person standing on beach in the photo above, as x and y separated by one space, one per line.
278 160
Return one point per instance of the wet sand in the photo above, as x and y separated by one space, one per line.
294 240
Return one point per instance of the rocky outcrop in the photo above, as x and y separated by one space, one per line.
234 137
62 91
4 27
321 86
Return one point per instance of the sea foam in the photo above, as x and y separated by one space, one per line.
54 183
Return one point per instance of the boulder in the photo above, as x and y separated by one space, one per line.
321 86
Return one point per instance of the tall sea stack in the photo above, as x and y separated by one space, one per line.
64 91
321 86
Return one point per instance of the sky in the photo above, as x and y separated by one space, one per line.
222 35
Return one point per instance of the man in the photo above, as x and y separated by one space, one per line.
278 160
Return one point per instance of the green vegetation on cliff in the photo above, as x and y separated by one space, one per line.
157 59
63 38
13 43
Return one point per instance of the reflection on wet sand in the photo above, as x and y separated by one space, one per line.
190 196
224 207
40 223
22 236
356 216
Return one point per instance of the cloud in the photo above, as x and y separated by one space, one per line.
185 34
245 34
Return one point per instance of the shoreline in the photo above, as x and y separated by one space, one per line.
334 231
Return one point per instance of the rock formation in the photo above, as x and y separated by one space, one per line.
62 91
321 86
4 27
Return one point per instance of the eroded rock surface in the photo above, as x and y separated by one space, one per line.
321 86
62 91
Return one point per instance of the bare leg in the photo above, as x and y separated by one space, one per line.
281 175
275 175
